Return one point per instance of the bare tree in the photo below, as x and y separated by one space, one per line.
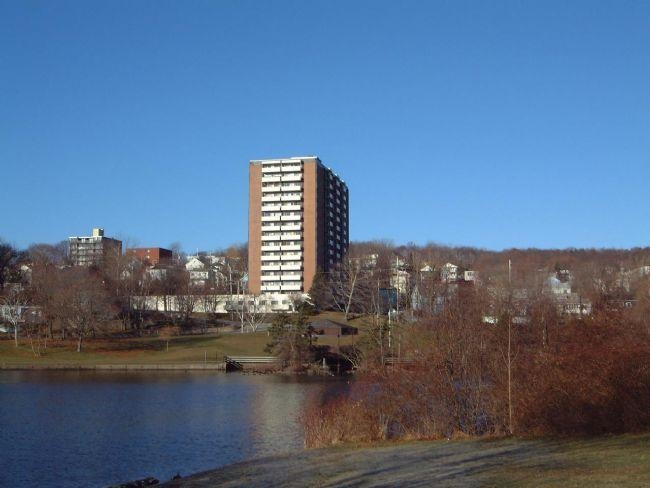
255 314
8 255
350 289
249 310
82 303
290 340
13 304
167 332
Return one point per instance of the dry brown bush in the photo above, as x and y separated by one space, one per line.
588 376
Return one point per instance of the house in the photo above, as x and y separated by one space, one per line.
449 273
470 276
200 273
400 280
331 328
157 272
418 301
572 304
557 286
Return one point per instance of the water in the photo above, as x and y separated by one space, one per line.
87 429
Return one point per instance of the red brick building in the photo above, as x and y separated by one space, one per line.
150 255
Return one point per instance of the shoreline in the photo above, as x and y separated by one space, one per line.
220 367
15 366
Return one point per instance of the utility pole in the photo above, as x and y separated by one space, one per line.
510 430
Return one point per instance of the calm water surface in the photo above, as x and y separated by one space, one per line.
74 429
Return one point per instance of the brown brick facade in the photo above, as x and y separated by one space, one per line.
255 229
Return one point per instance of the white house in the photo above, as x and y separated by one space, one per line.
557 286
449 272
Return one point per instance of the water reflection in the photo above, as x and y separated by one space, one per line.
97 428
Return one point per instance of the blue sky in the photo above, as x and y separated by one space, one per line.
492 124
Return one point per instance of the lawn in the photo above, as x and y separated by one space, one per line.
182 349
153 350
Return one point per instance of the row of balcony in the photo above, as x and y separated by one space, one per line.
281 188
281 218
277 226
292 236
276 266
296 276
284 168
285 256
283 247
283 287
281 177
279 197
276 207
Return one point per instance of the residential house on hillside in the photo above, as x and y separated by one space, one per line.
156 273
200 273
470 275
557 286
400 280
448 273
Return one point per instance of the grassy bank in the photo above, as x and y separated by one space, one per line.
603 462
149 350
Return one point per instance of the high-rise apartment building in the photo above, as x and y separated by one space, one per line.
298 223
93 250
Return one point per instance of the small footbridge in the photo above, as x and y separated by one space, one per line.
240 363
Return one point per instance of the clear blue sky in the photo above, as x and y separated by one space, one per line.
484 123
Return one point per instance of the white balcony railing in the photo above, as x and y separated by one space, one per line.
274 197
291 277
270 277
271 168
291 286
271 207
270 287
271 189
291 256
291 177
271 267
291 227
291 207
291 187
271 178
291 168
292 247
268 247
270 258
271 227
288 198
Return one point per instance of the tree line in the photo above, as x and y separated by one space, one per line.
80 302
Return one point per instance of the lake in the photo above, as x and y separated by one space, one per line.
74 429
